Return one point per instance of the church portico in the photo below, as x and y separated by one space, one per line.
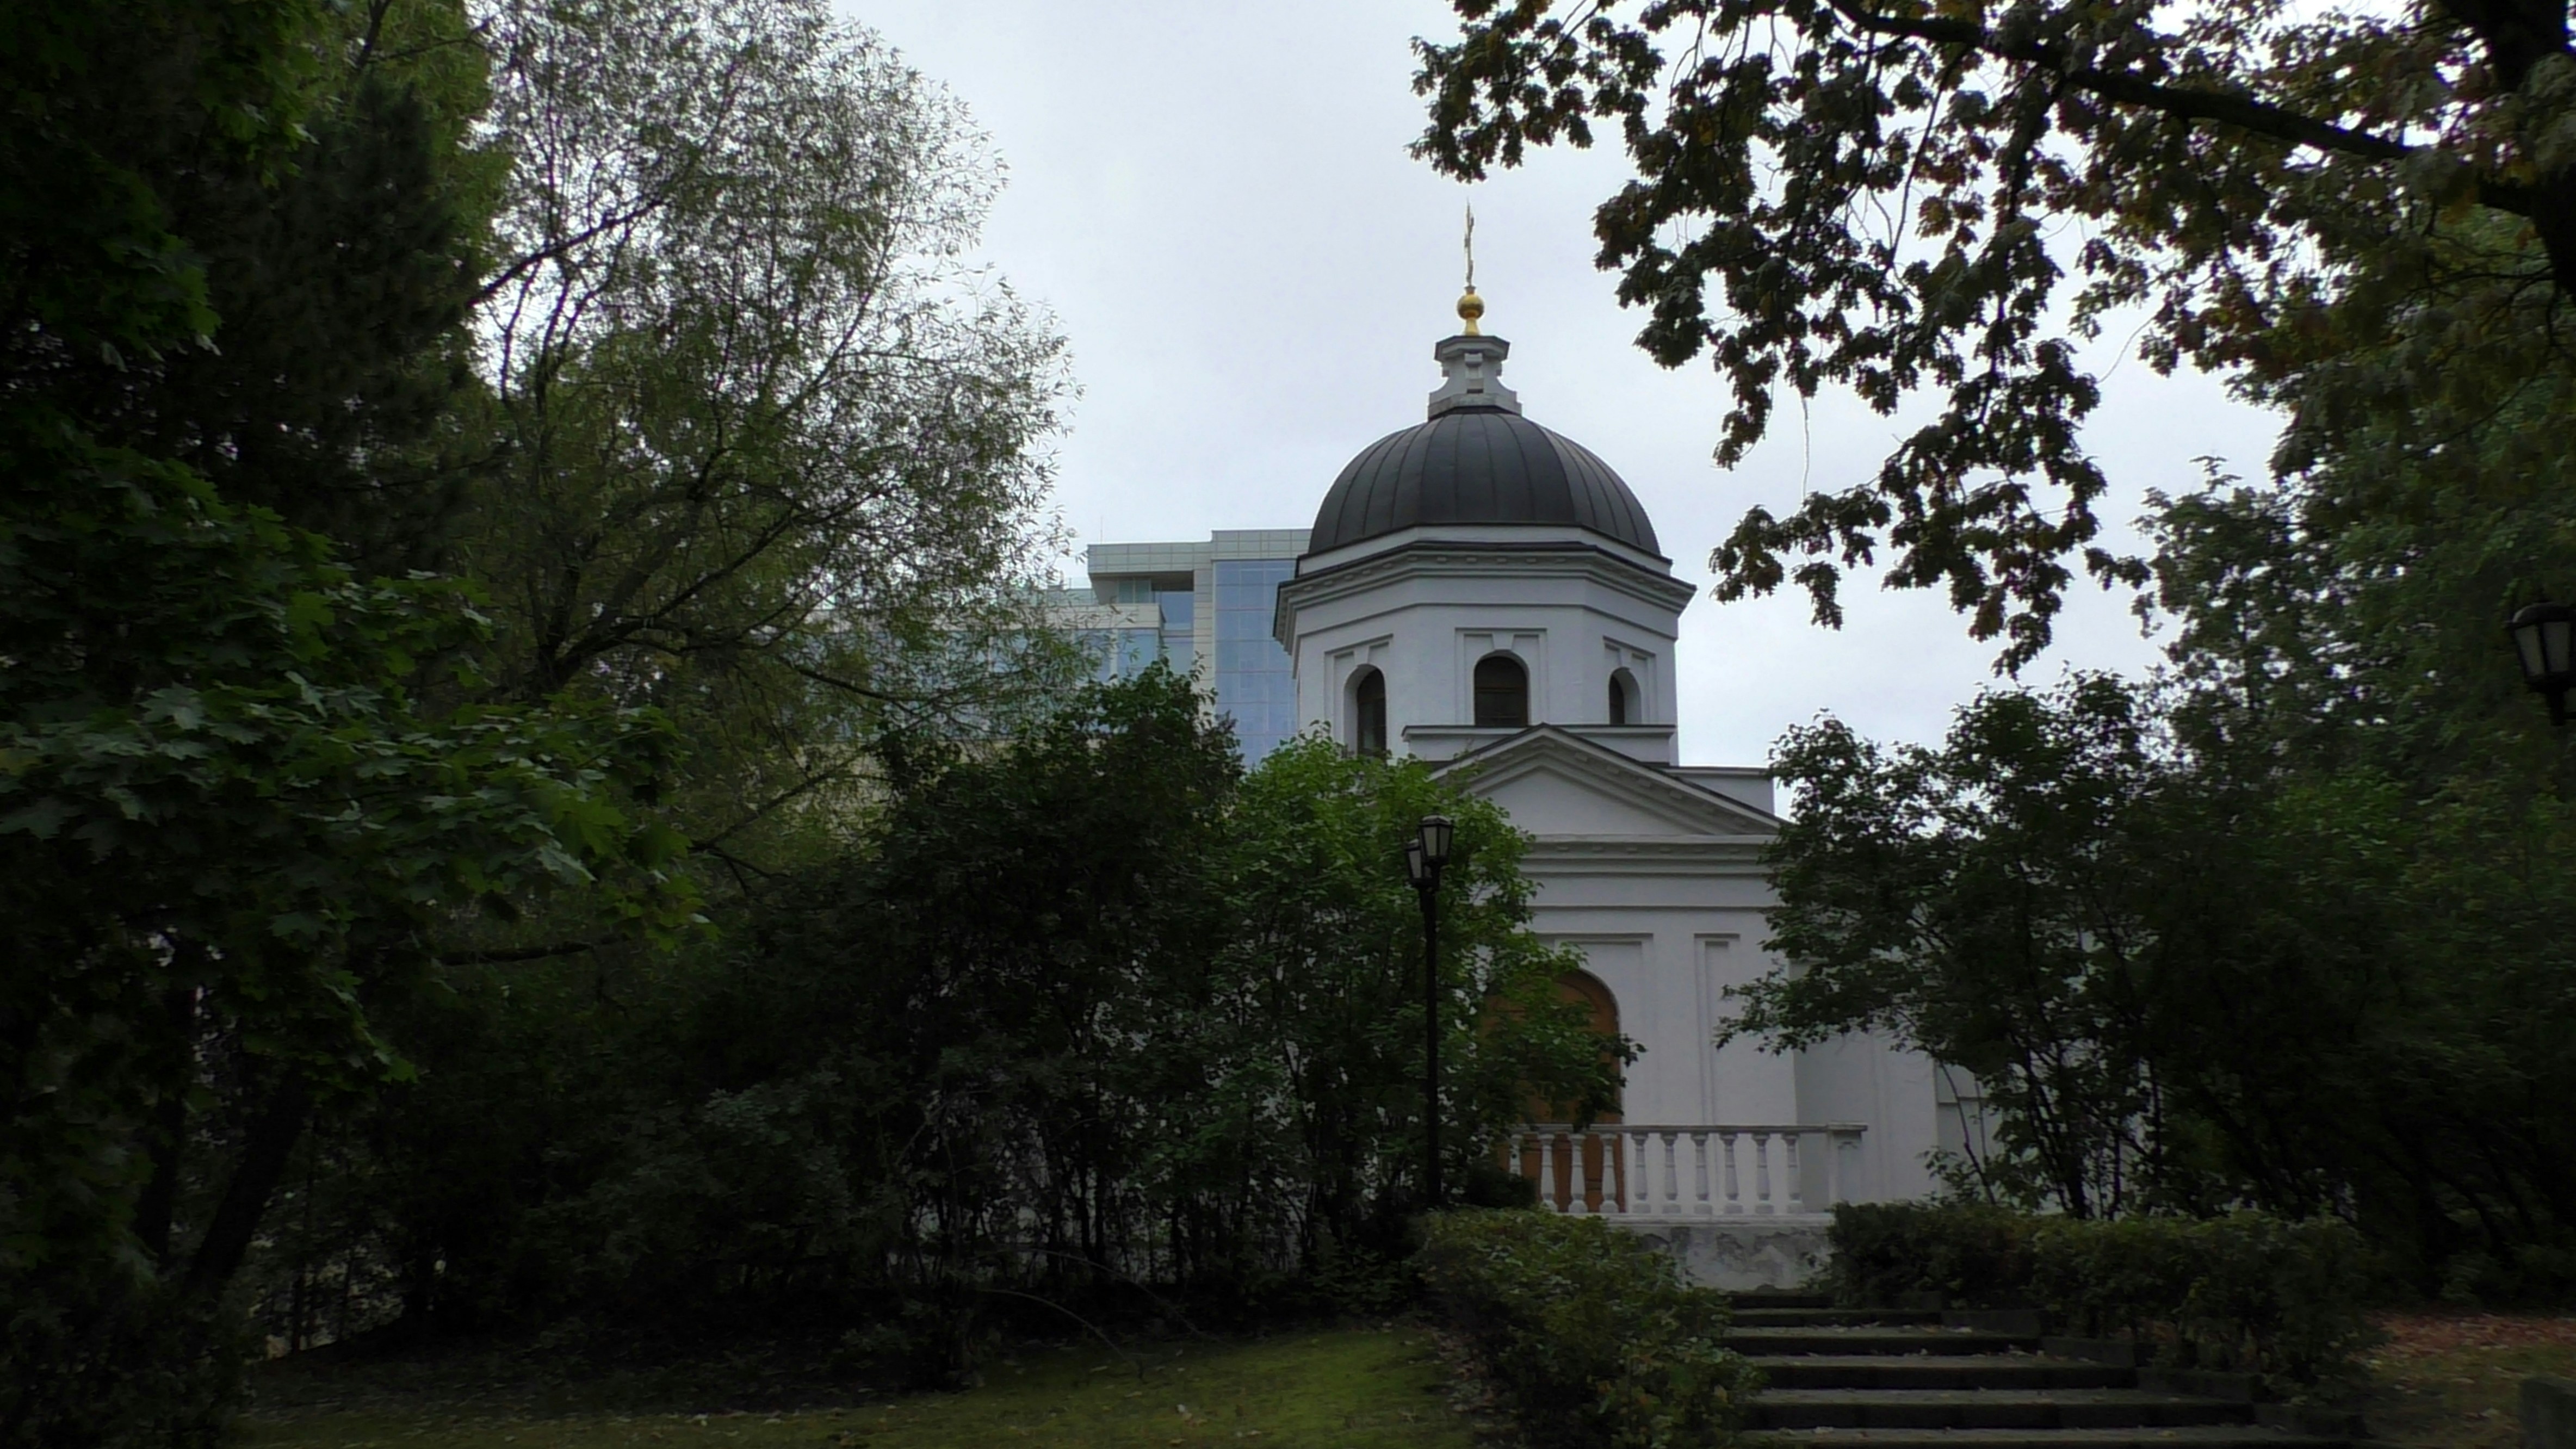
1486 595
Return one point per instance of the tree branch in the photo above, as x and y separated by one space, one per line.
517 953
2244 113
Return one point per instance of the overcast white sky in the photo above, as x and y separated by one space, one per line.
1213 198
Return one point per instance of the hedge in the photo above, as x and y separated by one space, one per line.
1971 1255
1587 1333
2243 1293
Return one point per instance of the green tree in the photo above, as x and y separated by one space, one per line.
337 267
2404 807
910 1072
1326 985
1082 1021
1117 1013
754 446
1987 902
2300 956
729 432
769 444
2347 213
2205 949
236 793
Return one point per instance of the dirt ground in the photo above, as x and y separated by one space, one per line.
2452 1380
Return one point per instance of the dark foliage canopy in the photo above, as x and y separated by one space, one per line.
2339 209
239 789
2190 971
1087 1022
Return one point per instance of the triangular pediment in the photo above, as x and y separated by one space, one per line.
1555 784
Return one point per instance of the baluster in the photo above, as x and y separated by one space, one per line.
1797 1184
1662 1145
1734 1198
1639 1178
1762 1172
1547 1170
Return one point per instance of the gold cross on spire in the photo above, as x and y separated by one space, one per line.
1471 306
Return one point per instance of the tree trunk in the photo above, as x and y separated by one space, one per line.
273 1134
159 1205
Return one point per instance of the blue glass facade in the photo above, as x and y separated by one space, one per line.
1252 680
1179 607
1123 653
1205 606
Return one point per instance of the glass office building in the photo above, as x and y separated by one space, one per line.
1204 608
1122 639
1252 682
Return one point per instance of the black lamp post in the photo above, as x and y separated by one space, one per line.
1424 855
2544 635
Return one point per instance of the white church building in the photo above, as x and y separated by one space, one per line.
1486 595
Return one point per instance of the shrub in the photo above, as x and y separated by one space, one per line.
2245 1292
1969 1253
1588 1333
92 1356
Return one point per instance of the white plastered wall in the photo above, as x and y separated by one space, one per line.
1571 618
1666 914
1868 1079
1667 944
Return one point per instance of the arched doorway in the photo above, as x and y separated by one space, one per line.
1591 1157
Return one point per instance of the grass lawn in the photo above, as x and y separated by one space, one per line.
1346 1389
2454 1380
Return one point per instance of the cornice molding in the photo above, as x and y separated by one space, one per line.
1552 558
1651 787
1497 534
1621 854
1452 741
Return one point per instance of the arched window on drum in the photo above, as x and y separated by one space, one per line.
1502 692
1626 707
1368 712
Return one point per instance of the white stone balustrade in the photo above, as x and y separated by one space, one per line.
1638 1170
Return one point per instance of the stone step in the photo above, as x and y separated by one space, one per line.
1772 1342
1834 1317
1989 1409
2189 1436
1766 1298
1996 1372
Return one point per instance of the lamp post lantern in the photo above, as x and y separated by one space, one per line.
2544 637
1424 856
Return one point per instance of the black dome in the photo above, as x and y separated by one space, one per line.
1477 465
